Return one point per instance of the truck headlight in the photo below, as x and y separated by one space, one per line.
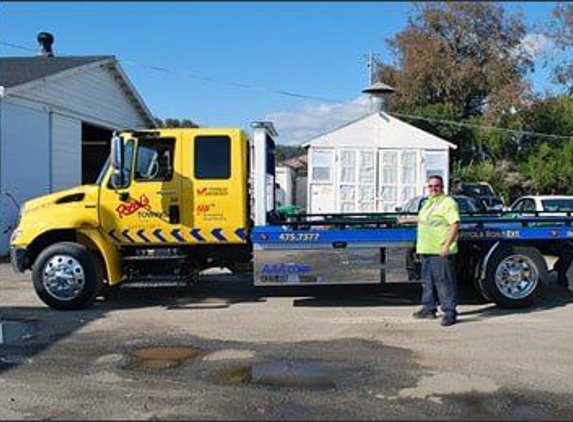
15 234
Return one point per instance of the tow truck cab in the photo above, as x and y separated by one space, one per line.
168 204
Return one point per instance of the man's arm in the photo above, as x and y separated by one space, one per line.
403 219
452 233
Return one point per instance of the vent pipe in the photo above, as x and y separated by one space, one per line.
45 39
378 92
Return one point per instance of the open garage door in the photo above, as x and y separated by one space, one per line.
95 150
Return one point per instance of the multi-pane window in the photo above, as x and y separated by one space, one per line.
388 181
408 176
322 166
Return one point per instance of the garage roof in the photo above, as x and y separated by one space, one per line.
16 72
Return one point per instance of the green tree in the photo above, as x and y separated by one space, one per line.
175 123
461 61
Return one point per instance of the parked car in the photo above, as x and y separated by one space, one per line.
466 204
482 192
543 203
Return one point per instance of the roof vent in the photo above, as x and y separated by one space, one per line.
46 40
378 92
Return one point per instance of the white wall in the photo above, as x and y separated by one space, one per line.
285 180
24 161
400 174
66 152
94 94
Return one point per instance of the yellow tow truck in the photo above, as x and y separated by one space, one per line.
168 204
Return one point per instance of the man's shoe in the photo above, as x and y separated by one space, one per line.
447 321
422 314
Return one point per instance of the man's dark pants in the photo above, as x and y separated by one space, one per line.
438 275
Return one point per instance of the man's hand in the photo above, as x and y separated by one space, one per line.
402 219
445 250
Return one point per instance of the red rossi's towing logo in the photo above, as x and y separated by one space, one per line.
123 210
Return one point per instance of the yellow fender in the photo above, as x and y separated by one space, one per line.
111 256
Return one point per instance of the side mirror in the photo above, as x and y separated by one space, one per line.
117 152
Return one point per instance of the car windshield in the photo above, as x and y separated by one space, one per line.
465 205
477 190
557 204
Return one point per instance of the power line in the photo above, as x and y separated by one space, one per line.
243 85
486 127
199 76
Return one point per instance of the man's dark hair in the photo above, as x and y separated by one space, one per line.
437 177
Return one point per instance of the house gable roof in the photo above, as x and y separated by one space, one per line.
17 73
379 130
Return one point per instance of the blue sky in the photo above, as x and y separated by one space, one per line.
312 48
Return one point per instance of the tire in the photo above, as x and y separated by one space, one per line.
515 276
561 266
67 276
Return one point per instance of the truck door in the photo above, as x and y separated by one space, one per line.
214 188
146 209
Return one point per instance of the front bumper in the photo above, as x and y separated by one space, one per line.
18 259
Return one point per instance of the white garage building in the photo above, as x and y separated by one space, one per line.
374 164
56 119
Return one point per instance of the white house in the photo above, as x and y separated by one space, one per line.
373 164
56 119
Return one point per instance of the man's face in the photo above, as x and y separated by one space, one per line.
434 187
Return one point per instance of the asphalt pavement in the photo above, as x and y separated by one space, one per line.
224 349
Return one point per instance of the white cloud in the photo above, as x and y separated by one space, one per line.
312 119
534 45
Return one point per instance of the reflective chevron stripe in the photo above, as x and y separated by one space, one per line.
177 235
218 235
195 233
113 236
125 234
158 235
141 234
148 236
240 232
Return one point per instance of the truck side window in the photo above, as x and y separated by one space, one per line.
154 160
212 157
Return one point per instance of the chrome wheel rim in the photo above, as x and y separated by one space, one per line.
516 277
63 277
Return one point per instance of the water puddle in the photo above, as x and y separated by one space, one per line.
157 358
13 331
286 374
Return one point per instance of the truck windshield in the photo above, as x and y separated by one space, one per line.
103 171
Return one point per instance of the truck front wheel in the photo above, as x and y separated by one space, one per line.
66 276
514 276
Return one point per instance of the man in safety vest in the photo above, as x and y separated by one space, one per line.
438 225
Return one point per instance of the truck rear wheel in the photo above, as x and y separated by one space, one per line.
66 276
514 276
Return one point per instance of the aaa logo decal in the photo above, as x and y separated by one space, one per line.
212 191
204 208
124 210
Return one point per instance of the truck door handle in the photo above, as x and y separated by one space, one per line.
167 192
174 214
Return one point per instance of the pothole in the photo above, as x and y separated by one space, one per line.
13 330
287 374
157 358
